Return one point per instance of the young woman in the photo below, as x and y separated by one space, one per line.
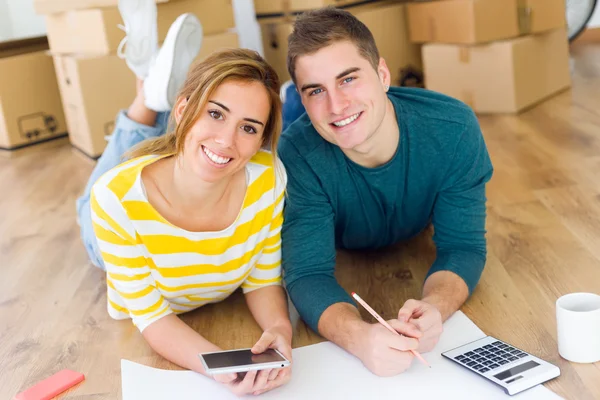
196 213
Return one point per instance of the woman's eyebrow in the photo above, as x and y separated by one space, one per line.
224 107
253 120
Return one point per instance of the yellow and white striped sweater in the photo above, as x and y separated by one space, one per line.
155 268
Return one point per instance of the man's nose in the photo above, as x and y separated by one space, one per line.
338 102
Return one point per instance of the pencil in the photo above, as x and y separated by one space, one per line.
384 323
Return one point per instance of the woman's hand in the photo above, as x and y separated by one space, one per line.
279 338
258 382
269 308
242 384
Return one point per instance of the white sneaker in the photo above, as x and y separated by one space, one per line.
169 70
141 40
283 90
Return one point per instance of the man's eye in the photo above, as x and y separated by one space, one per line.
249 129
348 79
316 91
216 114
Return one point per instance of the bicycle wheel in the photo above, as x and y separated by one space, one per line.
579 13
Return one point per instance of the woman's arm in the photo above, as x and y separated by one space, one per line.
132 291
177 342
269 307
265 296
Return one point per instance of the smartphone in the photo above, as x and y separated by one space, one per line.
241 360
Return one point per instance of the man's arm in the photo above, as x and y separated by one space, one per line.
308 241
446 291
459 222
459 216
308 258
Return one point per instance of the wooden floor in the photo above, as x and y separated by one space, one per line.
543 230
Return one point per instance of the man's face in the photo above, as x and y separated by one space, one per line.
344 96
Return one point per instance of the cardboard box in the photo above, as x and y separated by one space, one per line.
275 46
501 77
96 31
57 6
267 8
30 107
541 15
463 21
386 21
481 21
210 44
95 89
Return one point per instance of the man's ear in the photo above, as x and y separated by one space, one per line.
384 73
179 108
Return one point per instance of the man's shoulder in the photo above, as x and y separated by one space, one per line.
300 138
426 105
436 121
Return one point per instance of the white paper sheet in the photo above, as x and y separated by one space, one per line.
324 371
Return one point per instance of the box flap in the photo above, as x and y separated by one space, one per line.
541 15
16 47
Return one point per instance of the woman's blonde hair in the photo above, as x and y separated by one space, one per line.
203 79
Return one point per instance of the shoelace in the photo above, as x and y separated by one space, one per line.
120 52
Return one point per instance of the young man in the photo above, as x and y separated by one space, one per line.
370 165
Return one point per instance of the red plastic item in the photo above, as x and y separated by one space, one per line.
52 386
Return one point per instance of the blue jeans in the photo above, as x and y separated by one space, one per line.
127 134
292 106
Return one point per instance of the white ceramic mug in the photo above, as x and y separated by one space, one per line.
578 325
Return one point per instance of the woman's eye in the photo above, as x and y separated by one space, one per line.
216 114
316 91
249 129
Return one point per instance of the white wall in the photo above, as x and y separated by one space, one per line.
5 21
18 20
247 27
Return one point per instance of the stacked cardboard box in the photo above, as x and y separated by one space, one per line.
30 108
498 56
386 20
94 82
274 8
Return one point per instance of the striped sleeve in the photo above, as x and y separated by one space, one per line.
267 270
131 289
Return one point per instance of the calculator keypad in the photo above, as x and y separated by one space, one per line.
490 356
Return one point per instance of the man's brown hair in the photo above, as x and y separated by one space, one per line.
316 29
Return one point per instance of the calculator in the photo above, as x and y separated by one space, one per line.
507 366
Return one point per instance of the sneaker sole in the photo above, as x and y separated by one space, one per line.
188 42
139 16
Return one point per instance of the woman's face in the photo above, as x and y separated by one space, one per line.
228 132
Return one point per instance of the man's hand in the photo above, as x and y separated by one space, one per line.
385 353
426 318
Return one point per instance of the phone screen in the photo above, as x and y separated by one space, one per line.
240 357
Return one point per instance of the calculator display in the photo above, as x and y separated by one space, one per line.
516 370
